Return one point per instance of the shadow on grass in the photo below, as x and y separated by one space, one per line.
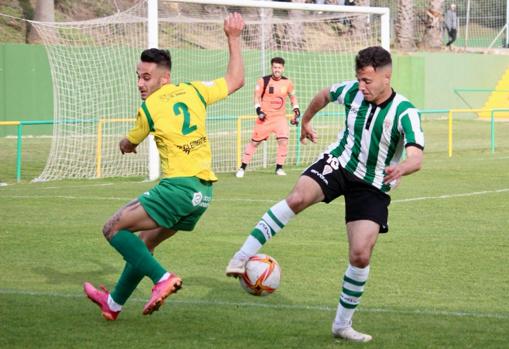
57 277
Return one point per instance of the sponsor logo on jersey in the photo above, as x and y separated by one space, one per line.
387 124
193 145
277 103
169 96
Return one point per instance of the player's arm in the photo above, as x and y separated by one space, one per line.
412 163
233 25
136 135
410 126
319 101
295 106
258 99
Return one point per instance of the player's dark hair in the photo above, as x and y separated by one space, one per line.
160 57
374 56
278 60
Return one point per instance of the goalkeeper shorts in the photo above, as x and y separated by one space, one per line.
277 125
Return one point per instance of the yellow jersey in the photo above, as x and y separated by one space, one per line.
175 115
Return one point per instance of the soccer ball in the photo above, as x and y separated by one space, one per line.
262 275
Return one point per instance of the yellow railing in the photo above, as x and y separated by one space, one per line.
450 118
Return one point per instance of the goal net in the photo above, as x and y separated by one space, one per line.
94 81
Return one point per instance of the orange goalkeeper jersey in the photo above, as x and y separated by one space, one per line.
273 102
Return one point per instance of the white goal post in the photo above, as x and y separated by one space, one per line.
94 82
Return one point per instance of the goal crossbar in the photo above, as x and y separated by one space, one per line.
384 12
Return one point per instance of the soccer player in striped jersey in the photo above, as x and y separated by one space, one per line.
363 165
175 115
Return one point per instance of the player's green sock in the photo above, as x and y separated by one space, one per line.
271 223
126 284
136 253
353 288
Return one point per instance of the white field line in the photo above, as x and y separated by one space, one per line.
451 196
488 158
33 186
111 198
326 308
79 186
37 186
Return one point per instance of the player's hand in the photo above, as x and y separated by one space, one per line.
295 119
126 146
233 24
261 114
307 132
393 175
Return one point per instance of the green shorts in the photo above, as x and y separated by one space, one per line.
177 203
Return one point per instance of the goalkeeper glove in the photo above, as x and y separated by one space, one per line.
260 113
295 119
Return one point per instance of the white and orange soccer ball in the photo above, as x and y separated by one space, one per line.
262 275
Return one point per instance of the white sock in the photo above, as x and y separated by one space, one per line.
250 247
114 306
354 281
275 219
165 277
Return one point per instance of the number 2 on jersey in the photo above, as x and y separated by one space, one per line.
181 108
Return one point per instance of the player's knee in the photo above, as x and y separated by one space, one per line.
148 241
283 146
359 259
108 230
296 201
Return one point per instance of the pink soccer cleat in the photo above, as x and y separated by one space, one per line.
101 299
160 292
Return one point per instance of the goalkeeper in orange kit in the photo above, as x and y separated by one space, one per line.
270 97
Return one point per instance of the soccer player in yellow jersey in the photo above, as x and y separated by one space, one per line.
175 115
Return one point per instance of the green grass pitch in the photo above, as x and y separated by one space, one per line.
438 279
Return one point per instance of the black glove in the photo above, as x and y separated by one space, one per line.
295 119
260 113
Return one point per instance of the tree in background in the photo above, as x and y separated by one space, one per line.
432 37
44 12
404 27
358 23
296 29
27 12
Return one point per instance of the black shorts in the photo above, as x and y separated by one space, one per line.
362 200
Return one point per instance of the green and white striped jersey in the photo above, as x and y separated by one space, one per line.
374 136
